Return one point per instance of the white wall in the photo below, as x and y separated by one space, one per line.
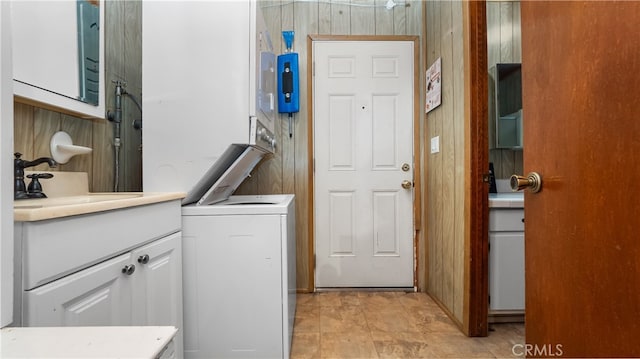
6 168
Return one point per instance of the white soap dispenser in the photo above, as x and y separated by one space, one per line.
62 147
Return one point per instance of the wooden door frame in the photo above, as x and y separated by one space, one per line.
417 178
476 271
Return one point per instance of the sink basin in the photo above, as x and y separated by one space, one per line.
65 201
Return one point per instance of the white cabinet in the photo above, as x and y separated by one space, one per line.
506 261
58 57
141 287
114 268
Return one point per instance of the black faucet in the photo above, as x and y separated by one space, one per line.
19 187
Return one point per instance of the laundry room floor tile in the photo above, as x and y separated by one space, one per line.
352 324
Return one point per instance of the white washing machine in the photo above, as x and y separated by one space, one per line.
239 277
239 268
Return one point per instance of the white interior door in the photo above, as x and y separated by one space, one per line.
363 148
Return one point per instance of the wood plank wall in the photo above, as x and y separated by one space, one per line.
124 63
34 126
503 45
445 179
287 171
284 172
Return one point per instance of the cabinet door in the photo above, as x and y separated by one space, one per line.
98 295
157 294
58 57
158 282
506 270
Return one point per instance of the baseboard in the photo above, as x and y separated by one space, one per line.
506 316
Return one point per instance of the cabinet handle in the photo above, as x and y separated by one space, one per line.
144 259
129 269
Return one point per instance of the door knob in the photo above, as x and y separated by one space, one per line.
533 182
406 184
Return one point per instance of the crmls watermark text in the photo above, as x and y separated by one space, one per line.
537 350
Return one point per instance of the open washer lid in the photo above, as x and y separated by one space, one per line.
226 174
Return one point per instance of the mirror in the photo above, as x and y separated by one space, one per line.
88 50
508 90
504 58
56 47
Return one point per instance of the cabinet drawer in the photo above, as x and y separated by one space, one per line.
502 219
54 248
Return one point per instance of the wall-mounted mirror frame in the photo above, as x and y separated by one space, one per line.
58 56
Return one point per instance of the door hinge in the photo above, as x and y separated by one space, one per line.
489 300
313 68
488 246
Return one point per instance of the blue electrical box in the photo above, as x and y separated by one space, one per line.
288 84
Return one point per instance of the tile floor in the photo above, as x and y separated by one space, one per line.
389 325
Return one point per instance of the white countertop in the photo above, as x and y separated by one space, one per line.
506 200
48 208
85 342
68 195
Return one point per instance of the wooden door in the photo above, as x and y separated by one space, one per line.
581 102
363 136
